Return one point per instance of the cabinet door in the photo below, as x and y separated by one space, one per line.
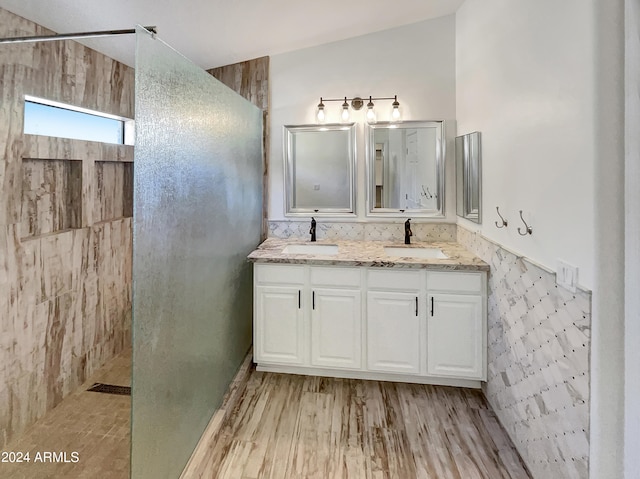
393 332
278 331
335 328
454 336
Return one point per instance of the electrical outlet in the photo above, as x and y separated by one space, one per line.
567 276
316 187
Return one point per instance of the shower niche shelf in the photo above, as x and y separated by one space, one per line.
113 191
51 197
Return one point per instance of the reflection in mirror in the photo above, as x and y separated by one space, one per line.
405 164
469 177
319 169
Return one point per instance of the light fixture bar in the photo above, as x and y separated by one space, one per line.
71 36
358 98
356 103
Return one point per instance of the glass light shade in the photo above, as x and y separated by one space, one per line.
371 115
320 115
345 112
395 114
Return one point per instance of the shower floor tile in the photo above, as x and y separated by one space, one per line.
94 425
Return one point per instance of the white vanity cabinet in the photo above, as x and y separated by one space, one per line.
398 324
395 326
336 317
456 331
278 316
307 316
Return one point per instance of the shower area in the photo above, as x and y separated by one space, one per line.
122 267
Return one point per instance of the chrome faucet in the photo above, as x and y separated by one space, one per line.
407 232
312 231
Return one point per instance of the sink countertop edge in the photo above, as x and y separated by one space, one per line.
369 253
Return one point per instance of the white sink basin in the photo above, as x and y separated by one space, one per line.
319 249
401 252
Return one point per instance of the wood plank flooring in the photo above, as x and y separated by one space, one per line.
288 426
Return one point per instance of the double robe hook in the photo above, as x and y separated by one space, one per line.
504 222
529 229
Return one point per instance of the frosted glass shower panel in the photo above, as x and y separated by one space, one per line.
197 214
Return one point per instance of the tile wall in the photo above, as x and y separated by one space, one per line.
370 231
539 368
65 228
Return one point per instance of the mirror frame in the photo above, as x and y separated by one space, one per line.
440 170
289 130
463 176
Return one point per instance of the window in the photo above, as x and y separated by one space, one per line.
49 118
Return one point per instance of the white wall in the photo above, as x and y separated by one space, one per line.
415 62
543 81
525 79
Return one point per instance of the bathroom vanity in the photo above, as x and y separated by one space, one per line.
371 310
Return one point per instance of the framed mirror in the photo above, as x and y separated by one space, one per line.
405 169
469 177
319 168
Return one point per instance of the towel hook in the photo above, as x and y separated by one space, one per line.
529 228
504 222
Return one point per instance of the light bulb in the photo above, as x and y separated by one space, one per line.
320 114
371 114
395 113
345 110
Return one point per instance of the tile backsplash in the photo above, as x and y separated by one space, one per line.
363 231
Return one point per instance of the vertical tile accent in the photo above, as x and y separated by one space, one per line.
539 361
65 283
250 79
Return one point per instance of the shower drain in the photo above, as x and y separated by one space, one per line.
110 389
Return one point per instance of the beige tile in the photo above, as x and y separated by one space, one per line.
94 425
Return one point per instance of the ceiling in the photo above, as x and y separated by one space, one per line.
219 32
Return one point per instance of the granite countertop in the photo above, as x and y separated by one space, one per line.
369 253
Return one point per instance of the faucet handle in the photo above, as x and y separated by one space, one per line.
407 231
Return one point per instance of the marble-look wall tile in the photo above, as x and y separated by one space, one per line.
421 231
65 283
539 339
370 231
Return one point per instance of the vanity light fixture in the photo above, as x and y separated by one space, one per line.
371 114
395 113
345 111
357 103
320 114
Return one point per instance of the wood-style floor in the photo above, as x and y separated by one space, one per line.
289 426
